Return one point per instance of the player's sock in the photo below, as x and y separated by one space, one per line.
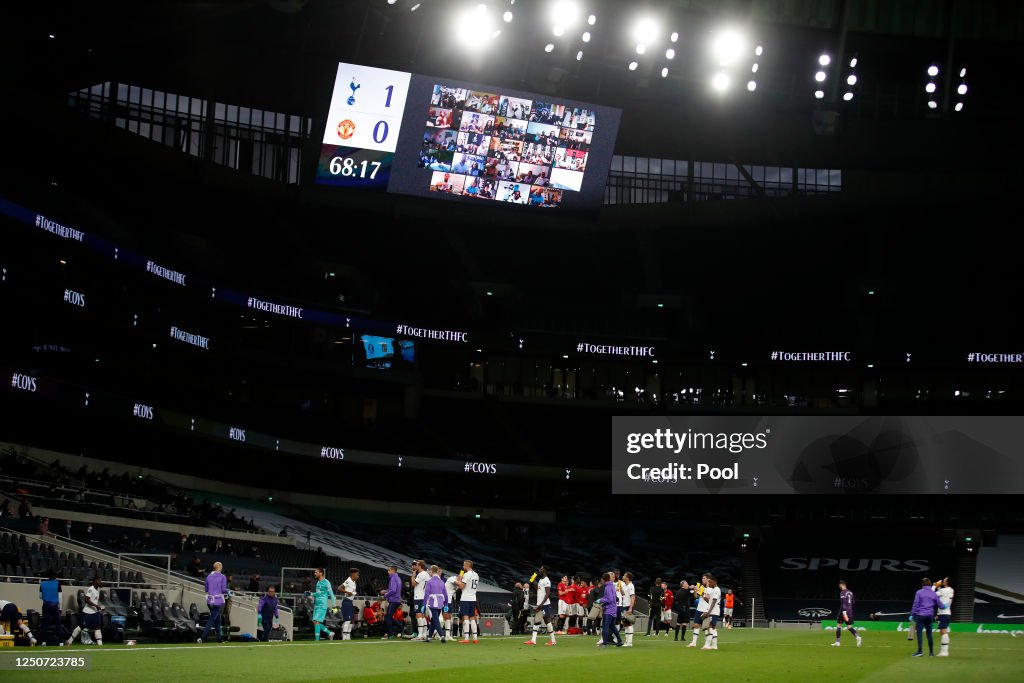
533 638
98 636
629 636
474 628
839 633
316 631
853 631
714 638
944 644
346 631
695 634
74 634
551 632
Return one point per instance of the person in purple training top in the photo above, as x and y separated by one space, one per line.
923 611
393 596
435 599
609 625
216 590
845 617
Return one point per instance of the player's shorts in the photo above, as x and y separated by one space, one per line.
92 621
319 613
563 608
10 614
417 606
944 620
710 620
347 610
728 611
548 610
696 617
844 622
581 610
467 608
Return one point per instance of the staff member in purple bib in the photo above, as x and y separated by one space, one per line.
925 604
216 591
435 601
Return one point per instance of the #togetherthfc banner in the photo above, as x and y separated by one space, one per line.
818 455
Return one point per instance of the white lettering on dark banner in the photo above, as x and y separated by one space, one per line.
606 350
854 565
74 298
142 411
481 467
271 307
332 453
813 356
166 273
438 335
189 338
23 382
55 228
995 358
236 434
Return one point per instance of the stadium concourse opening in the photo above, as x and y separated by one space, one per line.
318 320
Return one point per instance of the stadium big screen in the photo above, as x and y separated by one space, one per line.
441 138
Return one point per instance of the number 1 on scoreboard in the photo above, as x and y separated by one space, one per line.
391 90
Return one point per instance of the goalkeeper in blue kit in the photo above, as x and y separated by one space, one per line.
323 595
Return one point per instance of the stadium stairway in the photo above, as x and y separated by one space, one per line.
753 595
966 574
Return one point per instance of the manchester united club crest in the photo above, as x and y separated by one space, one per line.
346 129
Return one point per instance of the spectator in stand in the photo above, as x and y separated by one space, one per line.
182 544
67 528
5 510
195 568
175 565
146 541
24 509
89 535
44 526
254 583
218 547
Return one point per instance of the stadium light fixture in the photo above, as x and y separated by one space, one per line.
932 104
664 74
670 54
564 13
470 24
674 37
645 31
933 71
507 16
391 2
847 96
824 60
758 51
754 68
853 63
851 79
959 106
720 81
963 72
820 77
930 88
549 47
414 7
579 56
591 20
633 66
961 89
728 46
819 94
558 31
585 37
751 86
641 48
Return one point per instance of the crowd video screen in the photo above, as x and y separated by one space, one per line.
386 353
418 135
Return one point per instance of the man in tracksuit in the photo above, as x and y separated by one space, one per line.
393 596
50 593
655 608
266 613
609 623
926 602
216 591
435 602
681 607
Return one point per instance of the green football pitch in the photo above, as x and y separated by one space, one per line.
743 655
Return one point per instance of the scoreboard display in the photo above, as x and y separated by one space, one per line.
411 134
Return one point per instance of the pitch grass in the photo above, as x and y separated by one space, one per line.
743 655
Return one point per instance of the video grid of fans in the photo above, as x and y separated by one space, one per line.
503 148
